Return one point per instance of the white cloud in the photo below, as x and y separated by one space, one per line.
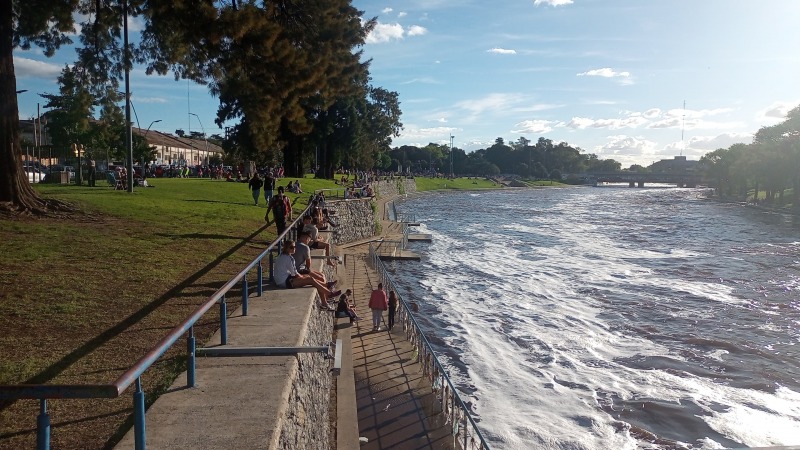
552 2
776 112
29 68
416 30
607 72
424 80
385 32
402 14
706 144
502 51
533 127
387 10
627 145
442 120
651 113
148 99
415 133
491 102
581 123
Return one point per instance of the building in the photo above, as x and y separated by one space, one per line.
171 149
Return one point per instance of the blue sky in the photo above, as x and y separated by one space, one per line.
608 76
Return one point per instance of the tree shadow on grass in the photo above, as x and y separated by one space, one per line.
250 203
64 363
196 236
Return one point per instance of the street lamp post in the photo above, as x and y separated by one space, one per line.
151 124
204 135
77 149
128 123
451 155
145 137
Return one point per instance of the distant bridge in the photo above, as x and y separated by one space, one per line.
635 179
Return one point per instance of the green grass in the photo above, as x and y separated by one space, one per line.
433 184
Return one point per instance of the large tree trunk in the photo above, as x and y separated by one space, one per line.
16 193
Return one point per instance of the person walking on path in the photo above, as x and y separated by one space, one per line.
281 210
378 303
255 185
392 308
269 187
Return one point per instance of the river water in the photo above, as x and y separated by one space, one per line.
612 318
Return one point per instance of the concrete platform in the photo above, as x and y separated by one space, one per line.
396 406
420 237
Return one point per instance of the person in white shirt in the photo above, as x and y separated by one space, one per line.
302 260
286 275
310 227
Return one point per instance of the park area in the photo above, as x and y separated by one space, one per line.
86 294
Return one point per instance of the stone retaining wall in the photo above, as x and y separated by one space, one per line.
306 420
396 186
355 218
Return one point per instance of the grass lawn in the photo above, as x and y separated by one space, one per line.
84 296
432 184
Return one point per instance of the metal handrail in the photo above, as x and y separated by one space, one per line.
452 405
331 193
43 392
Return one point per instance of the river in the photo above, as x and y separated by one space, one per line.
611 317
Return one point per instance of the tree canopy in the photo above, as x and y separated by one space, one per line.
276 66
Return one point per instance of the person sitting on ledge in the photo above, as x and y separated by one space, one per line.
302 260
310 226
286 275
345 309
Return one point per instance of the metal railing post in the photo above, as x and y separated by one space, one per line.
192 360
138 416
245 296
43 427
260 279
271 267
223 321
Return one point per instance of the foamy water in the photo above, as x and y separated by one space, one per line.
596 318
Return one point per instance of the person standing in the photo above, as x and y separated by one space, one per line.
378 303
255 185
392 308
269 187
92 170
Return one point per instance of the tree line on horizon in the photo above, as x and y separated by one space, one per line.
770 164
542 160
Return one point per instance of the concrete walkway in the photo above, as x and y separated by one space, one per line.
396 407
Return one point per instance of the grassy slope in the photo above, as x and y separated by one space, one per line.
83 297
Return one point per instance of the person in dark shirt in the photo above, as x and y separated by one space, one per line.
255 185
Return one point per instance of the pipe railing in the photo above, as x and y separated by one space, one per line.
43 392
465 431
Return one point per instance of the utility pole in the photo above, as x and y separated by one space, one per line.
451 155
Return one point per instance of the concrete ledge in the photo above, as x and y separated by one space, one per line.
261 402
346 407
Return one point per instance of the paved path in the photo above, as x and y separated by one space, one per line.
396 409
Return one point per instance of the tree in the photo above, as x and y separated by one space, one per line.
24 24
71 111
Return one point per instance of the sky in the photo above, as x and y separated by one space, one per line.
608 76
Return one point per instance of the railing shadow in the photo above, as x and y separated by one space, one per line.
65 362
